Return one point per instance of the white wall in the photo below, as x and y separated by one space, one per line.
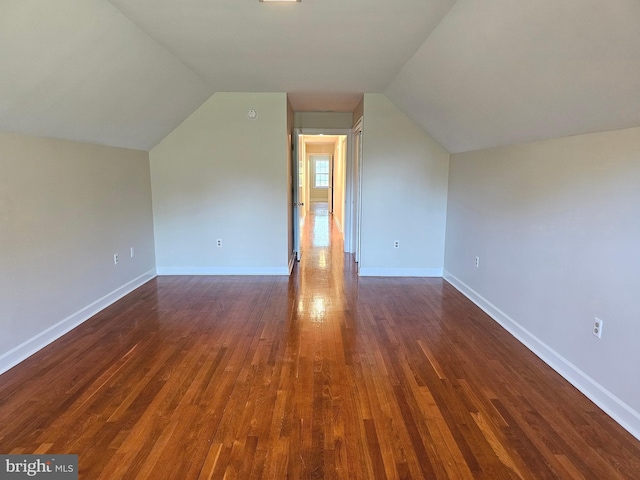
556 225
65 209
404 194
221 175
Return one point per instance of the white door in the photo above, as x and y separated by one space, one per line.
297 196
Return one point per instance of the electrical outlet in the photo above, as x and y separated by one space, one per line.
477 262
115 258
219 242
396 244
133 252
597 327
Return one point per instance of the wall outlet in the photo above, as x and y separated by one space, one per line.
597 327
219 242
115 258
133 252
477 262
396 244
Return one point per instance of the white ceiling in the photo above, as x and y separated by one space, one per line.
80 70
501 72
473 74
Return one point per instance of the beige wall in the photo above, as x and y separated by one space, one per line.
329 120
317 194
303 167
339 170
320 148
65 209
556 225
404 194
221 175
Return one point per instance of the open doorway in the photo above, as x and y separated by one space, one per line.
322 171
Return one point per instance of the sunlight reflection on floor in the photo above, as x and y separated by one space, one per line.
320 232
319 261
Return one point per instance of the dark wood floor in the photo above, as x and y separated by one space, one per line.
323 375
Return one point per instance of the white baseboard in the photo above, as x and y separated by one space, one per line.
400 272
223 271
617 409
44 338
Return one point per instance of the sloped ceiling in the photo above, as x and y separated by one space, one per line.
80 70
473 74
501 72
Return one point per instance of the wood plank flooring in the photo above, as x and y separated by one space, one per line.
323 375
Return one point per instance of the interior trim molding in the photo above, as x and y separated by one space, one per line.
162 271
27 348
400 272
613 406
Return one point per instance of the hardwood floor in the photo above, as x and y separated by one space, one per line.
321 375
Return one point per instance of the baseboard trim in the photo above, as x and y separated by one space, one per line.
400 272
23 351
613 406
223 271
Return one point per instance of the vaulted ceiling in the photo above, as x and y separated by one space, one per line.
473 74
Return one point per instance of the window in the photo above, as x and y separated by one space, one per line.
321 173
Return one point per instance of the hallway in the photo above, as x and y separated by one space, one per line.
325 273
320 375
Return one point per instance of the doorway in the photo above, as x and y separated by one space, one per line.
323 158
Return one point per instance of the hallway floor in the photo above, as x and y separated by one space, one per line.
320 375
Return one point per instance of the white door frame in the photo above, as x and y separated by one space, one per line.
349 217
295 187
355 194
